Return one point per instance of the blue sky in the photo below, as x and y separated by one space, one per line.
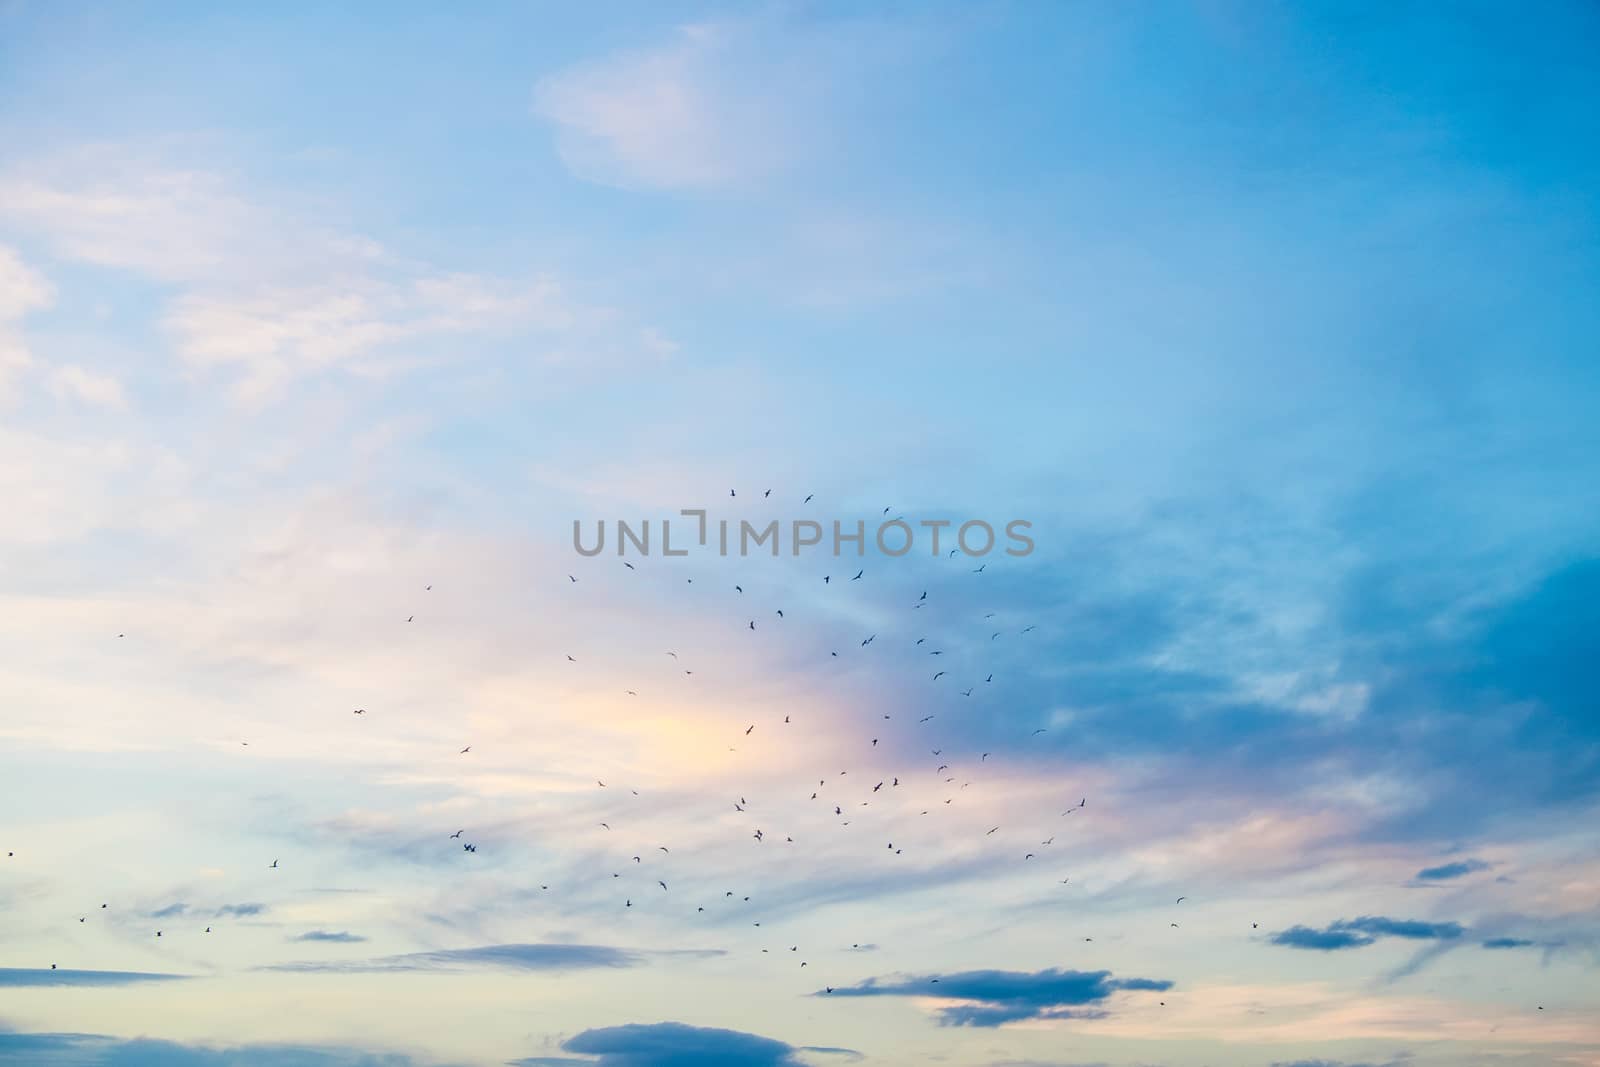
1276 322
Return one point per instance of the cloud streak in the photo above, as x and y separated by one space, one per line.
991 998
92 1050
1357 933
1449 871
20 977
513 957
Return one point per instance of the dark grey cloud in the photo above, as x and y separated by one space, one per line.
676 1045
89 1050
226 911
1355 933
531 957
240 911
1508 942
37 976
1324 940
1446 872
991 998
339 937
1411 929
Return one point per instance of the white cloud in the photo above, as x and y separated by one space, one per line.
263 292
678 116
119 208
274 334
22 290
87 387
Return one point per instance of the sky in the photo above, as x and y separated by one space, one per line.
323 328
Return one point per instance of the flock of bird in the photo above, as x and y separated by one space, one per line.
844 800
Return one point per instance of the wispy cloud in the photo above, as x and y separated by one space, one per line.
92 1050
524 957
17 976
264 293
87 387
22 290
666 116
273 335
